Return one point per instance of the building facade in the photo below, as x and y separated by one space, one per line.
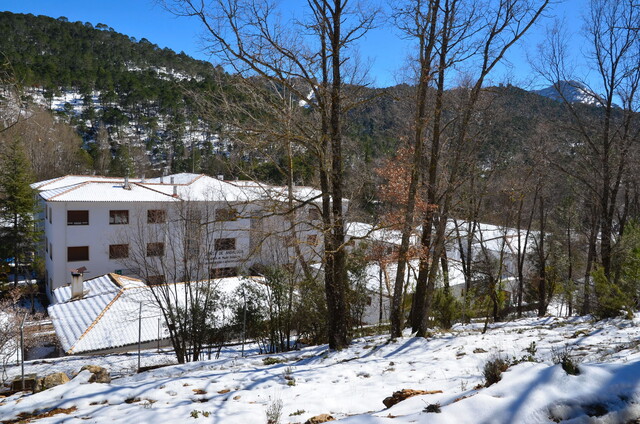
180 227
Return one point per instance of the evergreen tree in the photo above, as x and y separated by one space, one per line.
18 233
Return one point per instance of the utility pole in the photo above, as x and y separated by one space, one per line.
139 333
22 347
244 321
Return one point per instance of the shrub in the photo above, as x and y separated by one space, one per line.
493 370
564 358
611 301
433 407
274 411
447 309
270 360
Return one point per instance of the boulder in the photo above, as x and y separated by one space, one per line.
99 374
403 394
29 383
51 380
322 418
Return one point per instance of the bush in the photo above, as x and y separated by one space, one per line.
433 408
493 370
611 301
270 360
274 412
446 308
564 358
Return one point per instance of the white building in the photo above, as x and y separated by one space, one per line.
180 227
478 244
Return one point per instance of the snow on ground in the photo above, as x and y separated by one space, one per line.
351 384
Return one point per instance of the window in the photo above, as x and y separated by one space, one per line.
153 280
118 217
77 253
191 248
290 241
76 217
46 213
156 216
314 214
228 214
118 251
155 249
223 272
46 244
50 215
50 251
225 244
312 239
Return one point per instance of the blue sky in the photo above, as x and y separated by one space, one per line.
382 47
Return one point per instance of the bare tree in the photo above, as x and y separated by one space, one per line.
179 251
601 153
306 59
450 32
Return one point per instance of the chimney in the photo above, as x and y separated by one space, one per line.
126 186
171 180
142 179
221 177
175 191
77 286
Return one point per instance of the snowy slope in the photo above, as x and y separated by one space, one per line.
351 384
572 91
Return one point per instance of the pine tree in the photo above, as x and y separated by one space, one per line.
18 234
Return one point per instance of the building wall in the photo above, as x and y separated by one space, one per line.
97 236
251 246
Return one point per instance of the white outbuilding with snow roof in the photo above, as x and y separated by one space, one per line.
112 311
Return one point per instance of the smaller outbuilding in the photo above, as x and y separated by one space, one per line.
110 313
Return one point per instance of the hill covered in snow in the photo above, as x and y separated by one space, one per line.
351 385
571 91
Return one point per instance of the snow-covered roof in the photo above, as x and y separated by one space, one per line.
72 180
92 191
181 178
106 317
185 186
491 236
361 230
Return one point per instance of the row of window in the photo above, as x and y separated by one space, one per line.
154 216
116 217
121 251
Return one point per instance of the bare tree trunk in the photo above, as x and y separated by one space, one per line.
426 34
542 263
591 256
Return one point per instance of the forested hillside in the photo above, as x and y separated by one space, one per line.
134 107
114 90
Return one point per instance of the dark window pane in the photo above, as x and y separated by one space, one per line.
228 214
155 279
156 216
314 214
118 217
77 253
155 249
223 272
77 217
118 251
225 244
